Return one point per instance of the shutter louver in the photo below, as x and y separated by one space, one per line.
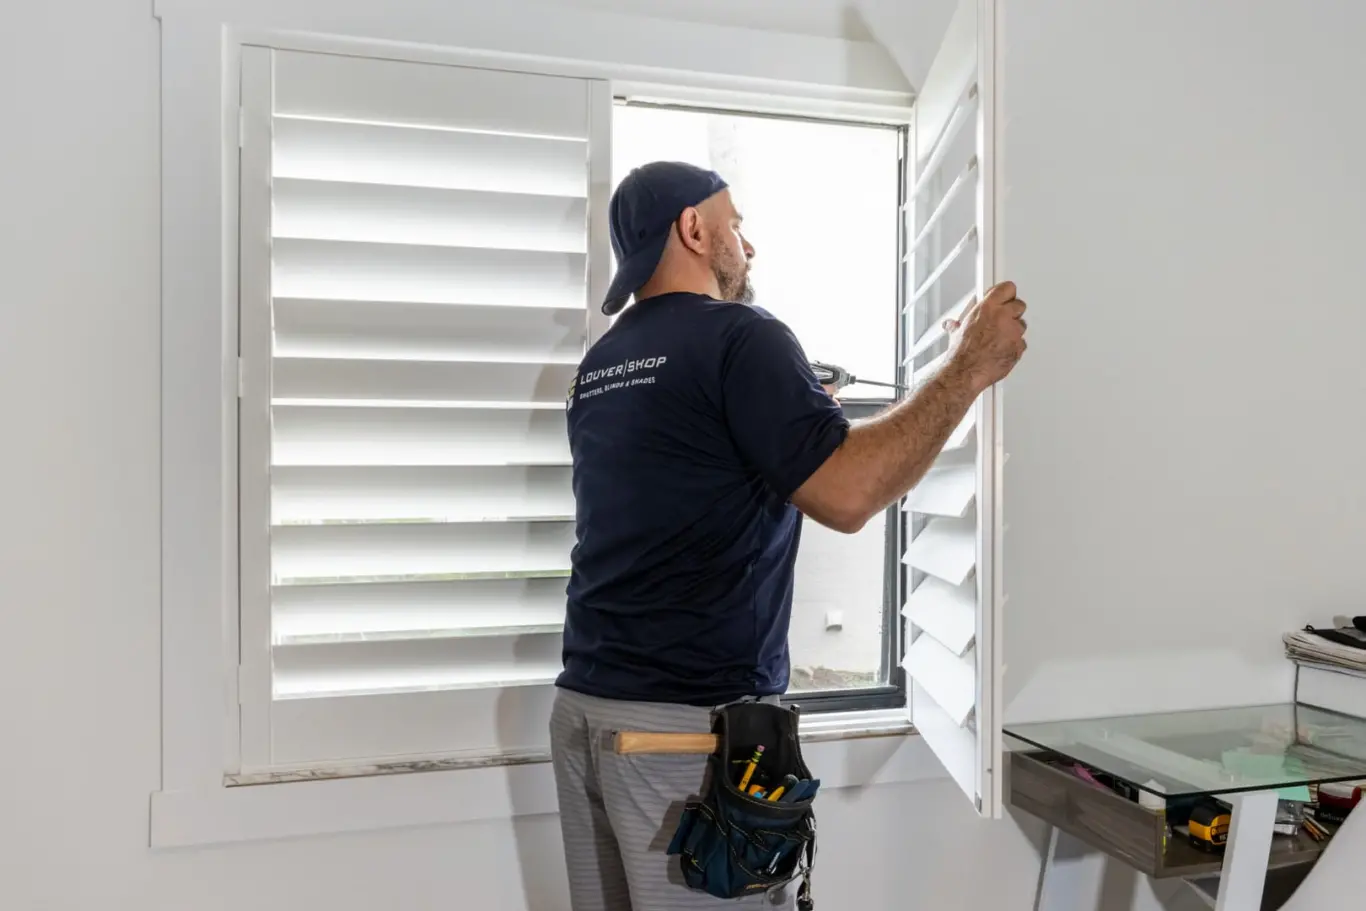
946 490
951 519
945 611
950 679
428 240
383 434
945 549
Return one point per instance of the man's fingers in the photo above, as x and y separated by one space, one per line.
1000 299
999 294
953 325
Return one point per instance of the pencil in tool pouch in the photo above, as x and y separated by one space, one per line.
731 844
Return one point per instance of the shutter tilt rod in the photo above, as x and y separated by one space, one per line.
831 375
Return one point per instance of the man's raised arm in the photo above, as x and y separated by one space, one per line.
884 457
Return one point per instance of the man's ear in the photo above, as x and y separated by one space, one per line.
691 231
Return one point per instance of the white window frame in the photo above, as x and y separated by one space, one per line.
891 691
201 739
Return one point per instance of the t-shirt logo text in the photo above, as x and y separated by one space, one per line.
589 377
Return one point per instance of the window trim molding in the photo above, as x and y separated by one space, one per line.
370 802
201 48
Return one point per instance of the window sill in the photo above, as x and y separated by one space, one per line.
850 751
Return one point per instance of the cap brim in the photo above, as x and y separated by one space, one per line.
632 273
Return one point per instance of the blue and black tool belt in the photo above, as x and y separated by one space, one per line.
753 829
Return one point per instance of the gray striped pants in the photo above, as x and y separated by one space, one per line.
618 813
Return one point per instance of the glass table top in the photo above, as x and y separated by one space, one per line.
1215 751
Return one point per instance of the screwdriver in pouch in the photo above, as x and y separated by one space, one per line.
838 377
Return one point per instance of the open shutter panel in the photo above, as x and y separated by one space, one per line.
428 241
951 519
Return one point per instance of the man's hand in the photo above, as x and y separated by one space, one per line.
885 456
989 340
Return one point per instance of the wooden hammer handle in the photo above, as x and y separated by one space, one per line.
676 744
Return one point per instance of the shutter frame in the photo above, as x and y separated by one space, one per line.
953 518
406 509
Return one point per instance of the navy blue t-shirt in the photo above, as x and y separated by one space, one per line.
691 423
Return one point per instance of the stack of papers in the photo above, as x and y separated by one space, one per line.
1311 648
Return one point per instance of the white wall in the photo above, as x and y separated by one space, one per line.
1186 212
826 18
1149 205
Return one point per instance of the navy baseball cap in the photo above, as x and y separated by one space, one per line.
642 214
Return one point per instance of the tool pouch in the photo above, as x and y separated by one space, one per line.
731 844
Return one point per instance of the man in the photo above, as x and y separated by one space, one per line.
700 436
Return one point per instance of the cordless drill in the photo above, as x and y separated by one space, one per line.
837 377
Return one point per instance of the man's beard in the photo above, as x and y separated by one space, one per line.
745 294
732 279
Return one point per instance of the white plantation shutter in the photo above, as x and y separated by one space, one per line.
952 519
414 289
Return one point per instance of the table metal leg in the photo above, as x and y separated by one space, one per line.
1043 899
1249 851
